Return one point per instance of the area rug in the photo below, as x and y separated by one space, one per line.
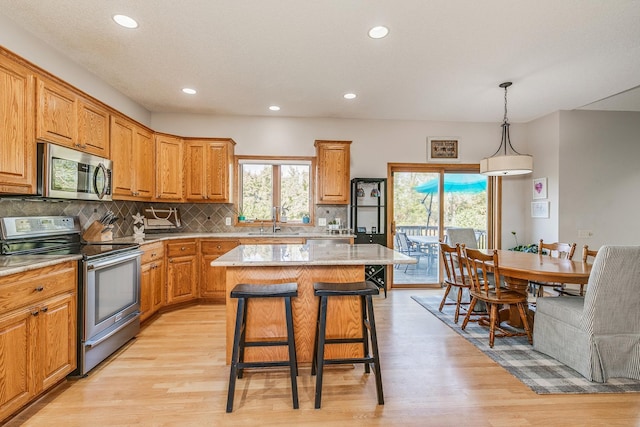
541 373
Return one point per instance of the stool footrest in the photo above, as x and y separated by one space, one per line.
344 341
348 361
265 343
243 365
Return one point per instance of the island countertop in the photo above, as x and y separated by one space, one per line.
311 255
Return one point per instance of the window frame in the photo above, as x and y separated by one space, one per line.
276 162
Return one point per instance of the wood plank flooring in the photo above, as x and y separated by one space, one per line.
174 374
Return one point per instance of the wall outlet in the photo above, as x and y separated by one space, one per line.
585 234
322 222
227 221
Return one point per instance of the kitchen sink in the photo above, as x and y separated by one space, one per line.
272 234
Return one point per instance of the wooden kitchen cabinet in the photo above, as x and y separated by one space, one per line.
132 153
38 332
152 282
93 129
169 168
333 172
213 279
209 170
182 270
17 133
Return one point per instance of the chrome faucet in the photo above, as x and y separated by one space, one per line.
275 212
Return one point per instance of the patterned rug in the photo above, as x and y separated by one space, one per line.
541 373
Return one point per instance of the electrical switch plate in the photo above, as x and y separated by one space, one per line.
322 222
585 233
227 220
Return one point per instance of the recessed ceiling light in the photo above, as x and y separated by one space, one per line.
189 91
274 108
350 96
125 21
378 32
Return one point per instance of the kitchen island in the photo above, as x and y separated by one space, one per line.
304 265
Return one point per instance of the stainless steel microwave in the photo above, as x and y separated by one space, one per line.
64 173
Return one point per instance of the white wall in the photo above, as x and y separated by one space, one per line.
599 177
48 58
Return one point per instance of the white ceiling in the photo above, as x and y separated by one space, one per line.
443 59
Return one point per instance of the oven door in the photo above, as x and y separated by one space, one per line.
111 292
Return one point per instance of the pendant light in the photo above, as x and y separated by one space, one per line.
506 160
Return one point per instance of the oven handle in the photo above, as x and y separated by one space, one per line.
116 259
94 343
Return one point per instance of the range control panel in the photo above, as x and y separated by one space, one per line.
35 226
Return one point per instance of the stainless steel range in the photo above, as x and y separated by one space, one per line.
109 281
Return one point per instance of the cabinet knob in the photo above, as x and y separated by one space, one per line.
170 260
218 247
183 248
44 309
39 289
154 255
35 313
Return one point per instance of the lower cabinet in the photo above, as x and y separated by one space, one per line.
38 332
182 270
152 283
213 279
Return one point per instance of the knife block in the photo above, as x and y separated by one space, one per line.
95 233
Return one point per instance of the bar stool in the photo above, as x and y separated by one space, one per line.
243 293
364 290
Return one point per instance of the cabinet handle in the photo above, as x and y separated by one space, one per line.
44 309
39 289
154 255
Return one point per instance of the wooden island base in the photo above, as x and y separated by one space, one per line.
266 317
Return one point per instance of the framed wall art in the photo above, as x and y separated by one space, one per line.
539 188
443 149
540 209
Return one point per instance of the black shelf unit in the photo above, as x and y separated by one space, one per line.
368 217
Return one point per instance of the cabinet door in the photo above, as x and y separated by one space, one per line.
57 338
145 291
213 279
182 279
17 347
17 111
333 172
157 286
169 166
217 171
144 160
196 171
57 114
93 129
122 137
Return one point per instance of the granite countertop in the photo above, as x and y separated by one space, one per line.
156 237
12 264
292 255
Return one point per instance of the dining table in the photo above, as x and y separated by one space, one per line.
519 268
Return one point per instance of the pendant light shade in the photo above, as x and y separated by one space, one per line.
506 160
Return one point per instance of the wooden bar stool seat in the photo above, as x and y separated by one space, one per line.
365 290
243 293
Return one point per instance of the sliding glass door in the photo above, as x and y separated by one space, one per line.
426 201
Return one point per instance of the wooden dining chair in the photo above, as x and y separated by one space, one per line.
556 250
479 265
454 276
587 255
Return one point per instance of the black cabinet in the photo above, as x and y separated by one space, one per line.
368 217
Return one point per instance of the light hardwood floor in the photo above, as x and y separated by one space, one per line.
174 374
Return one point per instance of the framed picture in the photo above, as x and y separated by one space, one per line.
540 209
443 149
539 188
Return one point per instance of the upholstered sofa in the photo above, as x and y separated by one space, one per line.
598 335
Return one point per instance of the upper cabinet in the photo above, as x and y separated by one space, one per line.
66 118
17 111
169 168
208 168
333 172
133 160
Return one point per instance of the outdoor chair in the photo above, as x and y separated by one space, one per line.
597 335
406 247
464 236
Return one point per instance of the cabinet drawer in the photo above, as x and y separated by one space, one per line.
152 252
31 287
181 248
218 247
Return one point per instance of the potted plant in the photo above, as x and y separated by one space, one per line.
333 225
306 219
241 216
532 248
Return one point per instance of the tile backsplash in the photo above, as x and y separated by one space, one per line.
196 217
